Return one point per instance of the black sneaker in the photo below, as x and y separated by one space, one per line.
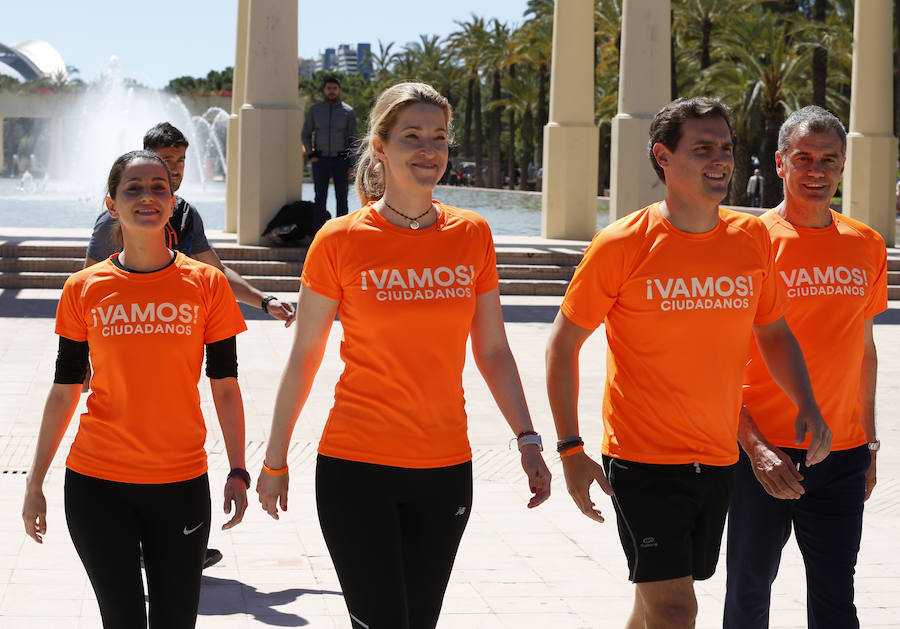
213 557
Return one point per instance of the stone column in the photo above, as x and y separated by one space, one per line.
569 198
270 118
871 170
232 147
644 88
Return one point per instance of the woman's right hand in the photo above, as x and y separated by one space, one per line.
34 514
272 490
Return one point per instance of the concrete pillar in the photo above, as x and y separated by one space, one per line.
2 162
644 89
232 146
270 118
569 199
871 170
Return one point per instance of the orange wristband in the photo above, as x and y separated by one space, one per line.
570 452
279 472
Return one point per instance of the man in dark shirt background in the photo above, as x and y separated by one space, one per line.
329 134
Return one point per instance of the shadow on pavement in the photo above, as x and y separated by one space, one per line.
12 306
891 316
224 597
522 313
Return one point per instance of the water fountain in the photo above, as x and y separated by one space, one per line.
111 117
211 132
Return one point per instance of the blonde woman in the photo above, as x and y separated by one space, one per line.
411 279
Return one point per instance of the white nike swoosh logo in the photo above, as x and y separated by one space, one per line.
188 531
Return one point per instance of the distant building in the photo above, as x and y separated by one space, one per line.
346 58
364 60
306 67
327 60
32 59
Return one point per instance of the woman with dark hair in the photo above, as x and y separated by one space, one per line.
412 279
136 475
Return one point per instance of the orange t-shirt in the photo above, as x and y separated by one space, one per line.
146 333
406 304
835 278
679 310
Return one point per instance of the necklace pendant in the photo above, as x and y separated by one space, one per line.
414 224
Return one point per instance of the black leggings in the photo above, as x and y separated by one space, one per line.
393 534
112 523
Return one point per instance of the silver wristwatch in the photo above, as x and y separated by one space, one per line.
875 446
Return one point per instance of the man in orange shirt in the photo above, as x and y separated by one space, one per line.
680 286
834 270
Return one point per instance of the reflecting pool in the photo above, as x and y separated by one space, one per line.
49 205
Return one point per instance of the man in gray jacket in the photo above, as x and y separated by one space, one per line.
329 134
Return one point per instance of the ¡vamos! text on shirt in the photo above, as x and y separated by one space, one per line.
147 318
426 283
701 293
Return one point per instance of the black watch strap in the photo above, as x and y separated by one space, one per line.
266 300
241 473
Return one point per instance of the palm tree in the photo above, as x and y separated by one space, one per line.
537 32
431 63
469 44
382 61
521 99
607 38
766 43
738 88
495 60
830 36
694 22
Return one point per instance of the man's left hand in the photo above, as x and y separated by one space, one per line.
811 421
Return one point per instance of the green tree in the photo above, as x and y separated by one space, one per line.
766 44
382 62
469 44
521 91
607 39
537 32
496 61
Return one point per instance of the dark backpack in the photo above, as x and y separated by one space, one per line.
296 221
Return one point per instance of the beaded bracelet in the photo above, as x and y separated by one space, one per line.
279 472
569 442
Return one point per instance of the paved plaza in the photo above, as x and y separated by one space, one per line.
517 568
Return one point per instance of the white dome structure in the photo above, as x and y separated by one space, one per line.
32 59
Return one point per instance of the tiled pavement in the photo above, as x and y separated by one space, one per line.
549 567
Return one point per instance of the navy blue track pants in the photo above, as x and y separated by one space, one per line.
827 523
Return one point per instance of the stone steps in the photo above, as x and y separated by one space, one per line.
522 271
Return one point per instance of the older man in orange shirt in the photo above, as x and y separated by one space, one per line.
834 271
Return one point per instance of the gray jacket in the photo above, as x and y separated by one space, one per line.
330 128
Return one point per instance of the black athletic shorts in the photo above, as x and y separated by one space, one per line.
670 517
